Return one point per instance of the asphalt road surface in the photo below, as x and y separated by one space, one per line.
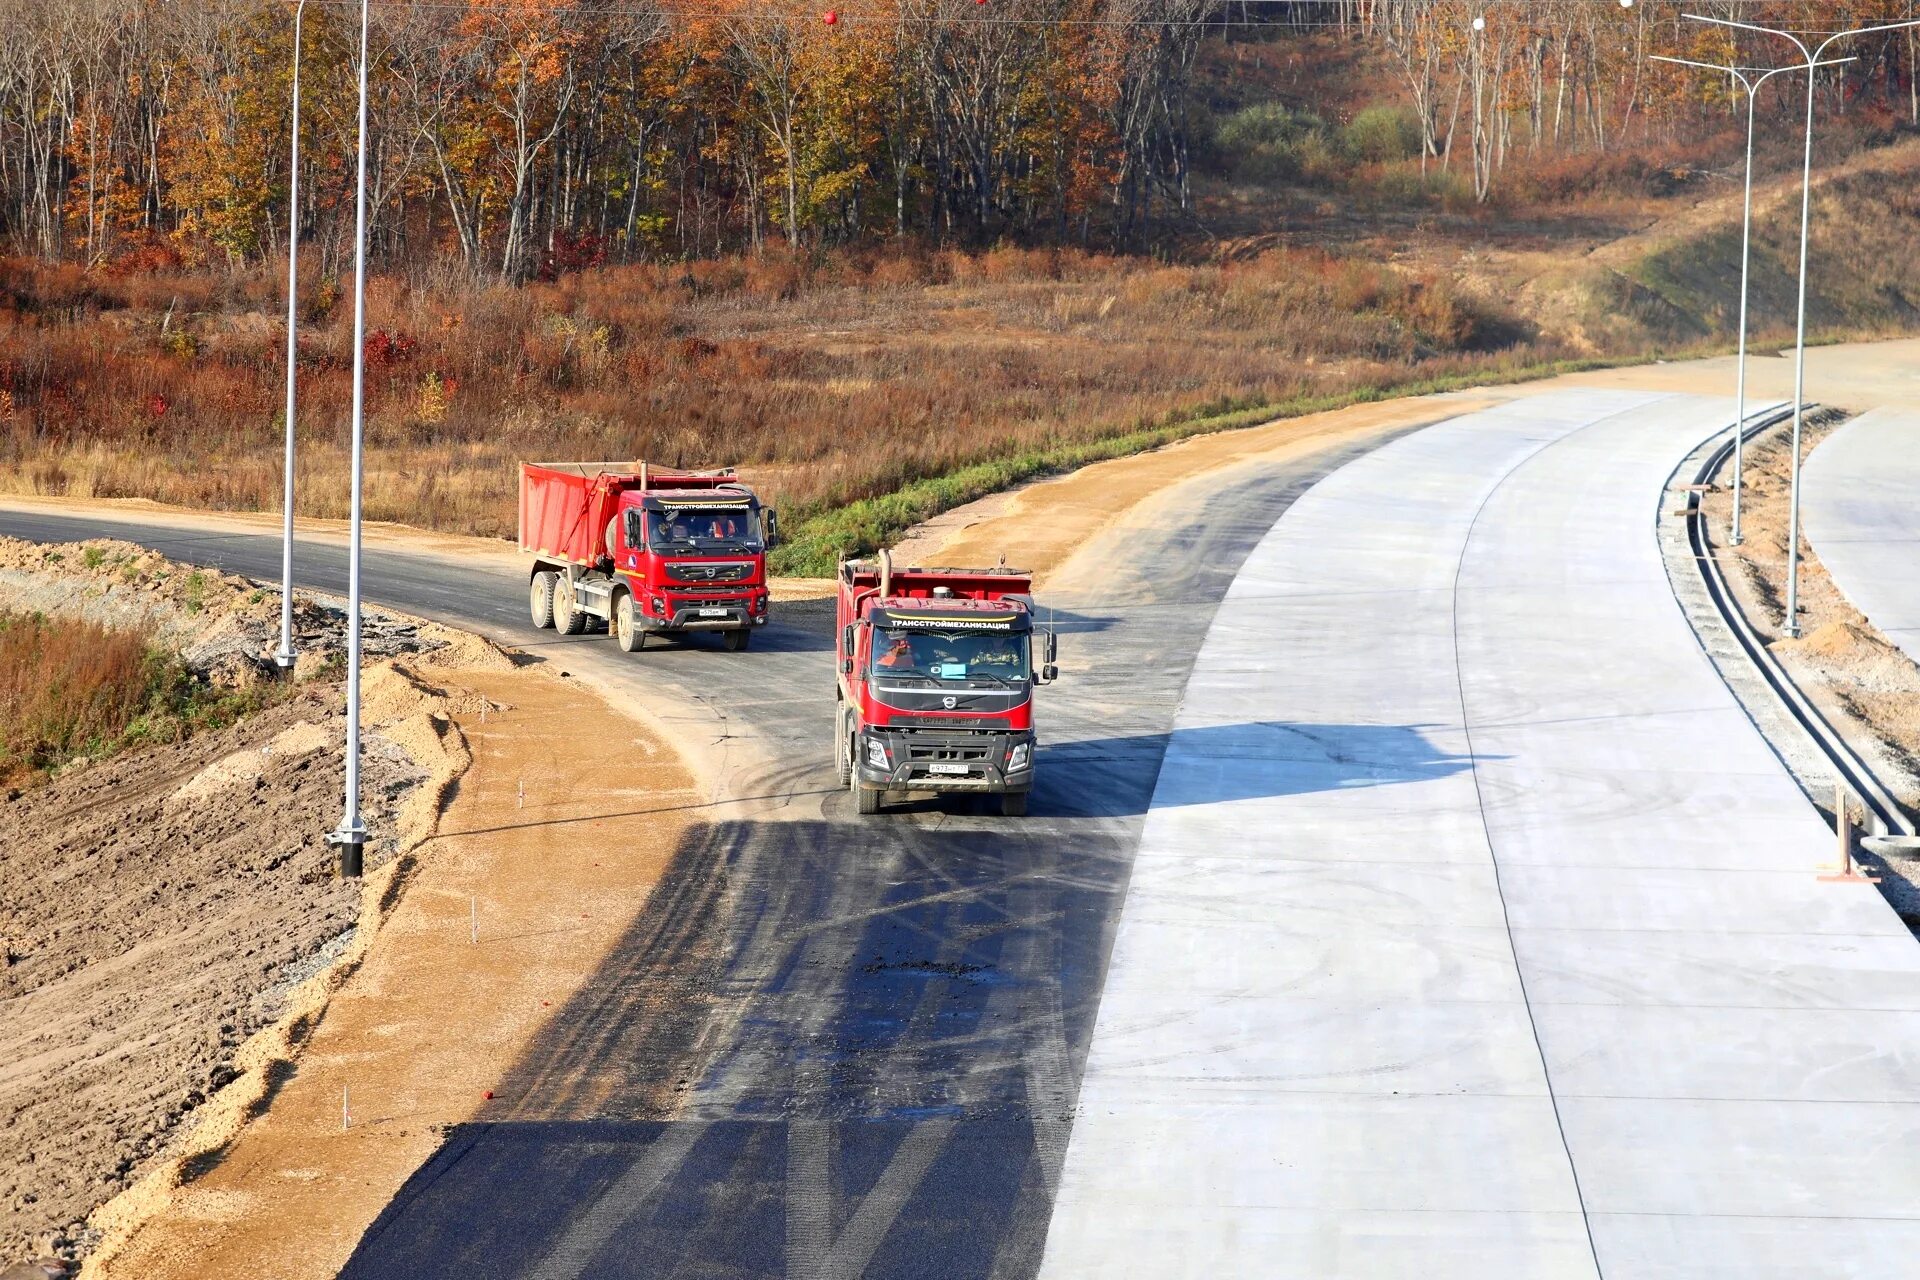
830 1046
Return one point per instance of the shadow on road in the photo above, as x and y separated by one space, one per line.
822 1049
1222 763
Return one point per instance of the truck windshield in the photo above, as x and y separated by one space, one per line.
691 528
960 657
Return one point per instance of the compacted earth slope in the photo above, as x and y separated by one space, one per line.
160 905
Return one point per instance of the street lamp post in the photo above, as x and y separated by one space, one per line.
1811 58
284 658
1751 85
350 837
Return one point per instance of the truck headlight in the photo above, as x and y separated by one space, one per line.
877 754
1021 753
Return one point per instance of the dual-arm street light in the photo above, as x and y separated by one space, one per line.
350 837
284 658
1811 58
1750 83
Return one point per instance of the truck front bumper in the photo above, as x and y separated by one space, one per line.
933 760
705 615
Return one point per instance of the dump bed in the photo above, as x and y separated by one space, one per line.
565 506
862 581
564 509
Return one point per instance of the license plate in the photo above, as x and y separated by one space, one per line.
715 613
947 768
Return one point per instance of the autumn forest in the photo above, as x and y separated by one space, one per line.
530 137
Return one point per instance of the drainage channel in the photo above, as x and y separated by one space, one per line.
1889 817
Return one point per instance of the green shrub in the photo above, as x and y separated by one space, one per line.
1269 143
1403 183
1381 134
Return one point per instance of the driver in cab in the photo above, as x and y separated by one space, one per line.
898 657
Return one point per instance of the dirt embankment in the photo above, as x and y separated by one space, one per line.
162 909
1866 687
192 993
550 847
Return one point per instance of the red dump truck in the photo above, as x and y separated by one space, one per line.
644 551
936 681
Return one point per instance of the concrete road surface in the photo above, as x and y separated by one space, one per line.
1474 931
1860 500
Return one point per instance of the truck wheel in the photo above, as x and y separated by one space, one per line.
843 754
865 799
1013 804
627 631
540 598
737 640
568 619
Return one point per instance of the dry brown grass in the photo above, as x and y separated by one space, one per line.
67 688
829 381
71 688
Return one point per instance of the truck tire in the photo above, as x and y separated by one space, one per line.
843 754
1013 804
736 641
627 631
540 598
568 619
865 799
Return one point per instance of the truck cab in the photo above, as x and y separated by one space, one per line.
693 560
937 672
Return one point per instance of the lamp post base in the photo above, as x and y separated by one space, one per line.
349 842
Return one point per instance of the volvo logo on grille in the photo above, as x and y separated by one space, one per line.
949 703
723 572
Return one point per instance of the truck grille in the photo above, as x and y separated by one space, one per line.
702 573
978 755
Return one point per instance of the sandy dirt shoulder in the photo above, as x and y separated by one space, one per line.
1042 525
160 903
509 905
196 1005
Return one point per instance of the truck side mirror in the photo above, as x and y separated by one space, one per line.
846 643
770 520
631 528
1049 673
1053 648
846 665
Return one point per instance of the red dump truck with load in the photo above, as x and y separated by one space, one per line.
644 551
936 681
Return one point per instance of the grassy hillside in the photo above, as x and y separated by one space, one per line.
832 381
